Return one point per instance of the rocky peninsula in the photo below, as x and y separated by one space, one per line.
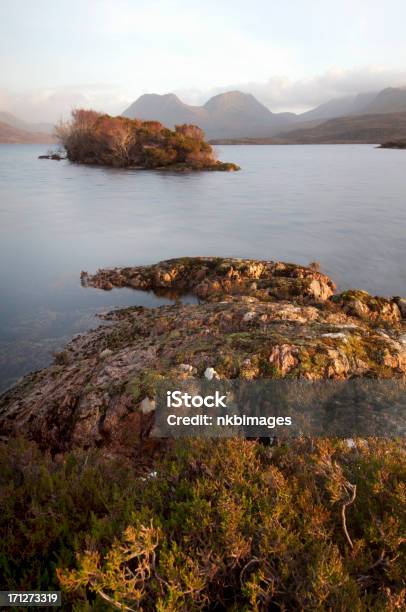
93 138
254 319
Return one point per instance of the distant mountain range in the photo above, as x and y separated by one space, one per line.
229 115
46 128
16 131
366 128
235 116
13 135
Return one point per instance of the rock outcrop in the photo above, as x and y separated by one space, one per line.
256 319
217 276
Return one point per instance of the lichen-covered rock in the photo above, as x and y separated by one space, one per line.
102 392
284 357
365 306
401 302
210 277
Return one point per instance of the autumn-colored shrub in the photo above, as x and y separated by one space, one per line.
156 157
190 131
239 526
92 138
50 509
227 524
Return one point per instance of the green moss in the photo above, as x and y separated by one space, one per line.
305 361
62 358
228 364
226 167
288 288
266 368
174 334
144 384
352 294
244 341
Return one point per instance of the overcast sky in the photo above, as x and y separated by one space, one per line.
292 54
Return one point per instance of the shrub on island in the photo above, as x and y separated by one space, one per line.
394 144
93 138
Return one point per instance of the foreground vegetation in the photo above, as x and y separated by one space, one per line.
93 138
231 524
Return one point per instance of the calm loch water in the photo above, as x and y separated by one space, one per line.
342 205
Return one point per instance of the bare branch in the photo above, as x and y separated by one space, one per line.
352 488
114 603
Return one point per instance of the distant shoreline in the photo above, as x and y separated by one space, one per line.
272 141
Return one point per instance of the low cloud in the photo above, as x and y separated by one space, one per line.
281 93
52 104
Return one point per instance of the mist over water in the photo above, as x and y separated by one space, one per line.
342 205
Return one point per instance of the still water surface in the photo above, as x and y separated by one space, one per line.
342 205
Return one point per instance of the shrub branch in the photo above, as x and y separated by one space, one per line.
353 489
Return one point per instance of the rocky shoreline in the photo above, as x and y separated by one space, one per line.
255 319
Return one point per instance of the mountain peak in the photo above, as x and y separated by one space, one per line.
231 95
233 99
389 100
226 115
168 97
151 103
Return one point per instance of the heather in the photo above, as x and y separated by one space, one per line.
236 525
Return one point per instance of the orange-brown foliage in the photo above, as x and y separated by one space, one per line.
92 138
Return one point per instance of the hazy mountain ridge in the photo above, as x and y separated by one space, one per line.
235 115
232 114
13 135
240 115
389 100
14 130
339 107
20 124
366 128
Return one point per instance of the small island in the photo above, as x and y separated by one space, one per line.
394 144
94 138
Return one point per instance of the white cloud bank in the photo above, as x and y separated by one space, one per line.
279 93
52 104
